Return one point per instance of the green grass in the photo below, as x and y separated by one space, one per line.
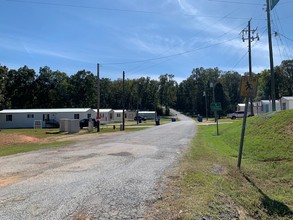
38 133
212 186
15 148
22 148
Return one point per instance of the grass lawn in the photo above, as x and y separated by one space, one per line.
13 141
208 185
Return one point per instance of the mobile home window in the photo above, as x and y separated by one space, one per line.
89 115
118 115
46 117
76 116
30 115
8 117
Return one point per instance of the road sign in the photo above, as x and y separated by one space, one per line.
216 106
248 86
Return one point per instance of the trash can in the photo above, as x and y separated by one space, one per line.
158 122
139 119
121 127
173 119
199 118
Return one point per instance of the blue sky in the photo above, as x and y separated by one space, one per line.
141 37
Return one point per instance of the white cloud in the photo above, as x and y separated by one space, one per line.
186 7
156 44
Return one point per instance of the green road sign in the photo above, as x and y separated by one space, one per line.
216 106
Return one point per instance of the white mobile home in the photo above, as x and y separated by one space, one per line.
287 102
266 106
118 115
129 115
26 118
106 115
256 107
148 114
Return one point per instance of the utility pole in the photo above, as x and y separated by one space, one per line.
98 98
273 92
250 38
123 100
206 102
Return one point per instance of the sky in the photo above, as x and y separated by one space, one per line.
144 38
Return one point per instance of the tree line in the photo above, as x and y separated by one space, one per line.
24 88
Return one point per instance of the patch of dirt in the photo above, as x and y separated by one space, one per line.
9 139
218 169
5 181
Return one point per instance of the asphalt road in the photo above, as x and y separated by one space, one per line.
112 177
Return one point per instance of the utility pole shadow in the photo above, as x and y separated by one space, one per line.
272 207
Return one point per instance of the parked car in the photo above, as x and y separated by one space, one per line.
85 123
238 114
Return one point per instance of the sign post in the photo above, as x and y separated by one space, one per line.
248 89
215 107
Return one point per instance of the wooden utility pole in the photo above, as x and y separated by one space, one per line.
98 98
123 100
273 92
250 39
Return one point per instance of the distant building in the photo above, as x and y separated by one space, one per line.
28 118
148 114
256 107
106 115
287 102
266 106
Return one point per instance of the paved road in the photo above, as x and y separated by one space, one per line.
112 177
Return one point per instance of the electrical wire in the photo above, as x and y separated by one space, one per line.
83 6
235 2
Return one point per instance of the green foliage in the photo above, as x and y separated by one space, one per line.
22 148
3 82
23 88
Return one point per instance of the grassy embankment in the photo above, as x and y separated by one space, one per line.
208 185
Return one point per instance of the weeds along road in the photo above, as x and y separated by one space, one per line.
108 178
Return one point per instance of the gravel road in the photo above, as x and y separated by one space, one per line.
112 177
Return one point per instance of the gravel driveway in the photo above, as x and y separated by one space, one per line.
112 177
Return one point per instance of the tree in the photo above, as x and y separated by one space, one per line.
54 86
83 90
106 95
231 86
167 91
3 81
20 87
287 82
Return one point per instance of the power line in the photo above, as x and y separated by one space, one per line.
121 10
168 56
83 6
235 2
